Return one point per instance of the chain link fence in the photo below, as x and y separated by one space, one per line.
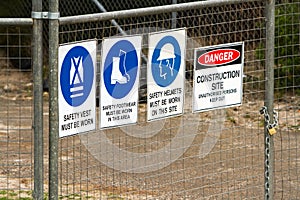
224 158
287 99
16 136
219 154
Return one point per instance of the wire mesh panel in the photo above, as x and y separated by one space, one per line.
287 99
15 9
210 155
16 139
69 8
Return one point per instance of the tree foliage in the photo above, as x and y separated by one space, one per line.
287 46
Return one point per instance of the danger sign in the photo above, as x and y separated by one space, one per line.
218 76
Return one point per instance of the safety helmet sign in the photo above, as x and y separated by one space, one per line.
166 61
76 80
119 81
165 74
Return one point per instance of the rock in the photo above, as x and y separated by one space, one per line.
9 87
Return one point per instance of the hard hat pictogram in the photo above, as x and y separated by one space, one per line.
166 52
166 61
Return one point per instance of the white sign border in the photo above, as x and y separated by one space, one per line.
242 75
182 67
115 39
66 47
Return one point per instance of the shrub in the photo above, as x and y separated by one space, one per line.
287 42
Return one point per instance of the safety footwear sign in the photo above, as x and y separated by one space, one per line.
76 87
218 76
165 74
119 81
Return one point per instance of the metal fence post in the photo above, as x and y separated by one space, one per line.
37 63
53 100
174 15
269 97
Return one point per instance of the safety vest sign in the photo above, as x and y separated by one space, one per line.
76 87
165 74
218 76
119 81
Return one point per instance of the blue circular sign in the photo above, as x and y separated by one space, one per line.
77 76
120 69
166 60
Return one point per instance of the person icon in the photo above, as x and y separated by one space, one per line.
166 61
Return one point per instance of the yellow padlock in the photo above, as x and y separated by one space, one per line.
272 131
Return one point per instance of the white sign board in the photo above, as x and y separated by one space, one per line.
120 70
218 76
165 74
76 87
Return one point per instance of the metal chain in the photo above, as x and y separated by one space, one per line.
275 119
269 126
264 111
267 167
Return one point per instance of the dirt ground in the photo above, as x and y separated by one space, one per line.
225 159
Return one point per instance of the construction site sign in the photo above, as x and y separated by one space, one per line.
218 76
165 74
119 81
76 87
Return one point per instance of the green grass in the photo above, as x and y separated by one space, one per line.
115 197
27 195
11 194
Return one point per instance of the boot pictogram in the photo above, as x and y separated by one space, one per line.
116 74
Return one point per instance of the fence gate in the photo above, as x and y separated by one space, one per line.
225 153
210 155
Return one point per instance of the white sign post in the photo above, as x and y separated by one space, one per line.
76 87
119 81
165 74
218 76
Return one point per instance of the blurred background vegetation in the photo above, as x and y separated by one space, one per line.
287 47
287 39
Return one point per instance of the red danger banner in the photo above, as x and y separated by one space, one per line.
218 57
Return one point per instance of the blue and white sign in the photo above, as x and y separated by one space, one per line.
166 61
76 82
165 74
119 81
